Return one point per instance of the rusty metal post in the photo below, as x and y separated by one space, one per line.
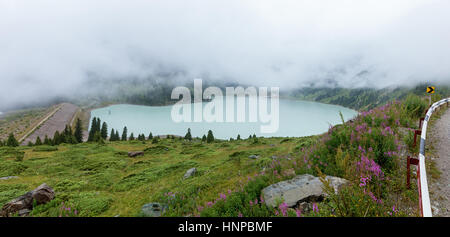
408 172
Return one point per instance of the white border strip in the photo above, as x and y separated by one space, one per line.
423 184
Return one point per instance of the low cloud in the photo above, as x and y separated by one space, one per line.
51 48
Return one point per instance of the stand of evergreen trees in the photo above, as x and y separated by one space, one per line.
98 133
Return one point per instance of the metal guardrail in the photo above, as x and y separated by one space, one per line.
424 197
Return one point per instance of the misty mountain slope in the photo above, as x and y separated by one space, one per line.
364 98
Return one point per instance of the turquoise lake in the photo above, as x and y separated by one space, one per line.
296 119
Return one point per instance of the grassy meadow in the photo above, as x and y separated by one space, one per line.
99 179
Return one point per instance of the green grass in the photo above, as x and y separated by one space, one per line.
101 180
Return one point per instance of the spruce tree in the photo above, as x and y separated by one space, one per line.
30 143
204 138
150 136
56 138
188 135
97 137
104 130
98 124
124 133
38 141
78 131
131 137
210 137
238 137
92 130
47 141
72 139
117 137
12 141
112 136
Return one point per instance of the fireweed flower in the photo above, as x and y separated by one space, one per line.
315 207
298 212
283 208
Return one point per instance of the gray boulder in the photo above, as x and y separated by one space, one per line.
153 209
24 204
8 177
302 188
190 172
43 194
135 153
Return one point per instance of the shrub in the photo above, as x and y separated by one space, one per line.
415 106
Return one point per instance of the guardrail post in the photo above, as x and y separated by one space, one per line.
410 161
420 122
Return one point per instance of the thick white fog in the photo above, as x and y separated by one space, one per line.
49 47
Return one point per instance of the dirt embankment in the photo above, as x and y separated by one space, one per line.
57 122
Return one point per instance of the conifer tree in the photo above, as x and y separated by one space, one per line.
188 135
97 137
98 124
72 139
30 143
238 137
92 130
12 141
38 141
47 141
117 137
150 136
124 133
204 138
56 138
131 137
78 131
112 136
104 130
210 137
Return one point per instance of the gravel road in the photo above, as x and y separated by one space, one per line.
439 137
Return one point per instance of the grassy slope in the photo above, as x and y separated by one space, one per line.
101 180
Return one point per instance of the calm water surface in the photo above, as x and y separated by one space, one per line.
297 118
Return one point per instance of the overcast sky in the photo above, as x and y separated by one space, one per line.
47 47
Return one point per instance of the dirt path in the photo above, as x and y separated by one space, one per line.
56 122
439 139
